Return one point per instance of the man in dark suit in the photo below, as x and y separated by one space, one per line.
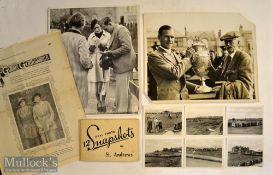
168 68
123 57
236 70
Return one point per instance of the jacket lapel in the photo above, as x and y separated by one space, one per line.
226 65
168 57
177 57
234 60
229 65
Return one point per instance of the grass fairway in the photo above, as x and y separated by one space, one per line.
217 154
204 126
246 130
190 162
163 162
235 159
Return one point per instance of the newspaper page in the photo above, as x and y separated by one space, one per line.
115 140
40 107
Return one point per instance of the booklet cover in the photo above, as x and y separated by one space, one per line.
109 140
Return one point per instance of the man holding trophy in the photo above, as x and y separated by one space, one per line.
168 69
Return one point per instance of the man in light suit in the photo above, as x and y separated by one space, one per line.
236 70
123 57
168 68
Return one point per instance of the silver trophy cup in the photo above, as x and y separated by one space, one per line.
201 63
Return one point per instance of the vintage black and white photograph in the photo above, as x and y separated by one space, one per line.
204 152
102 48
163 153
204 120
36 116
245 152
245 120
204 125
163 120
200 56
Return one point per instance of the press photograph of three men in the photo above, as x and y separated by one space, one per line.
102 48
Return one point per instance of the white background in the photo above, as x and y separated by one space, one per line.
22 19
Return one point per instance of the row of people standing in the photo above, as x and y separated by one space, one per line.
110 45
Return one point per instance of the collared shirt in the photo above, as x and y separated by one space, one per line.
169 51
232 55
75 30
93 40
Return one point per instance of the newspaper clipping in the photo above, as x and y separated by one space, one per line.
40 107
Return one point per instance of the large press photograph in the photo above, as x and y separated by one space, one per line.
200 56
102 47
36 116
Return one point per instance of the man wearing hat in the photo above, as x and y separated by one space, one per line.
236 70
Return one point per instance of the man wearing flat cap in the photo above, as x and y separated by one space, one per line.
236 70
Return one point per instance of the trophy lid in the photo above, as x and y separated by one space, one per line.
200 45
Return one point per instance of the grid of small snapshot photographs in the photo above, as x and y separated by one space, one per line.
196 136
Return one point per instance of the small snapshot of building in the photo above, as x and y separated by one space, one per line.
246 122
243 156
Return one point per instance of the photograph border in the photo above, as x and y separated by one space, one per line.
238 101
139 50
222 138
181 139
243 137
15 127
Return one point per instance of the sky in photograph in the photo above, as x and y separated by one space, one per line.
193 111
245 112
253 143
204 143
160 108
152 145
197 21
